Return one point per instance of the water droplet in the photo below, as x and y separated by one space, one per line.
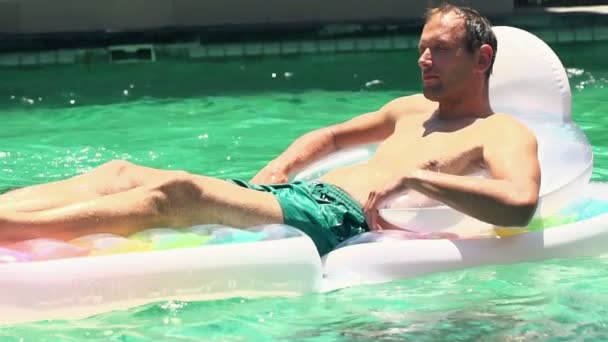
203 136
274 75
72 101
125 92
288 74
228 158
131 86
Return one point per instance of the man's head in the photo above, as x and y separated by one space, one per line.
457 51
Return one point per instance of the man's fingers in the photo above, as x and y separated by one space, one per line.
371 211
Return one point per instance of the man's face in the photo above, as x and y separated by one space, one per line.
445 64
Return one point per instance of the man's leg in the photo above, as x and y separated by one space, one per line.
109 178
178 201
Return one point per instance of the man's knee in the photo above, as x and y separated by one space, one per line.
116 176
115 168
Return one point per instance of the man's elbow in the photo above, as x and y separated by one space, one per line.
522 208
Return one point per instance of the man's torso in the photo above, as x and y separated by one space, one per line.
420 141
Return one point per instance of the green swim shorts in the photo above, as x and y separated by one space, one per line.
322 211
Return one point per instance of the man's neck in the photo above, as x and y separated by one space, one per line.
474 105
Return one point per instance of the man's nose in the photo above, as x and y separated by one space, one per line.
425 60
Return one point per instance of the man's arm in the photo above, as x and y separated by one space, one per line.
363 129
508 199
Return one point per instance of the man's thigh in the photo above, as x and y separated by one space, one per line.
202 199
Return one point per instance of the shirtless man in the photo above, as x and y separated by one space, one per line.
429 142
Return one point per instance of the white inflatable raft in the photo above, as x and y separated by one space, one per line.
46 279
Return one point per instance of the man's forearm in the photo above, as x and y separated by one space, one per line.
309 147
498 202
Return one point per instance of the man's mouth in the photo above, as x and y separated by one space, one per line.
430 78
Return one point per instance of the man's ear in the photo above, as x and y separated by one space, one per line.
486 53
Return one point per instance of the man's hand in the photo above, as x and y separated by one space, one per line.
272 173
376 199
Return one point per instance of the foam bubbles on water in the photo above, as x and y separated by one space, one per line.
574 72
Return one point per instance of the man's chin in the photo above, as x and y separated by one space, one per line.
431 94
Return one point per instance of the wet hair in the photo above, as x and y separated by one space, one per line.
478 29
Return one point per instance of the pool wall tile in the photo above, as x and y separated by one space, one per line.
29 60
309 46
47 58
253 49
364 44
234 50
66 56
197 52
383 43
216 51
549 36
566 36
271 48
600 33
584 34
9 59
401 43
289 47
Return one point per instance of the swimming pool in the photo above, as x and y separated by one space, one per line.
226 118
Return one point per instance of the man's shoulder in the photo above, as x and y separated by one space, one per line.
410 100
504 124
409 105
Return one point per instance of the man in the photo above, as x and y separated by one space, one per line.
429 142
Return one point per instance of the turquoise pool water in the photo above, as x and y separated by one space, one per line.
227 118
